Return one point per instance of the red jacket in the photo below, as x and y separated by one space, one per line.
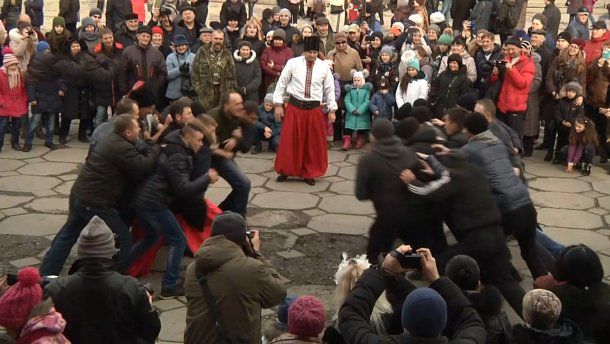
516 86
13 103
593 48
279 56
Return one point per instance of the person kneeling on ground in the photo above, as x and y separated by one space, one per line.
425 312
267 129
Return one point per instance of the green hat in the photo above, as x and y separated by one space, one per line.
413 63
59 21
445 39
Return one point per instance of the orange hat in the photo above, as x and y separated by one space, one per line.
395 31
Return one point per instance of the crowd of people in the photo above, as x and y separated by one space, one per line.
167 99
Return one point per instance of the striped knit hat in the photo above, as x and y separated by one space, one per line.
9 60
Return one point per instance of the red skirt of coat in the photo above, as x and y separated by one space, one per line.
302 151
194 238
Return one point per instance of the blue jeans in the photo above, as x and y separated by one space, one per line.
237 200
156 223
101 115
79 216
551 245
446 9
49 120
15 125
259 136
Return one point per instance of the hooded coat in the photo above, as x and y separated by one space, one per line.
13 102
488 303
45 325
248 74
358 99
239 300
23 48
122 313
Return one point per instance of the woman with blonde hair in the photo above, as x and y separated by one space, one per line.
347 275
253 33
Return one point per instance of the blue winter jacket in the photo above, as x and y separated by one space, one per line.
384 103
174 76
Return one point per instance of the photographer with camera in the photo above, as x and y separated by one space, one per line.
99 304
425 313
23 42
228 285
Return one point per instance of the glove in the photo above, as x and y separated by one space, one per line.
185 68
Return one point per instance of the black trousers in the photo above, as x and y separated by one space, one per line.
522 223
495 266
514 120
419 233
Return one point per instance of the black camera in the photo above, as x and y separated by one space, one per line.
500 63
11 280
31 32
250 234
407 261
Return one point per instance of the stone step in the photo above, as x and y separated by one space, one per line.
534 6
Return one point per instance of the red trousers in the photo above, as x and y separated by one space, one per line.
302 151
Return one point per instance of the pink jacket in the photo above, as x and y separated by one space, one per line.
13 103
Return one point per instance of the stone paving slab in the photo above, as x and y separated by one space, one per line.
27 184
569 218
285 200
7 201
32 224
10 164
562 200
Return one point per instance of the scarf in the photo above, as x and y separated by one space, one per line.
14 76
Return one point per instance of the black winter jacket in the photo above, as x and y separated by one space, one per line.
146 64
43 80
33 8
115 13
470 210
68 9
378 178
464 324
107 93
173 178
485 65
488 303
112 164
102 306
446 89
564 332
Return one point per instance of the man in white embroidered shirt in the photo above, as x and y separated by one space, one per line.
307 81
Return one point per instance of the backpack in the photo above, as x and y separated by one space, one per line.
508 14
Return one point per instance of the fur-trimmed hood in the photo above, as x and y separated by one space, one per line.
14 35
367 86
240 59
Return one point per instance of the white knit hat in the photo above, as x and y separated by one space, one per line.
417 19
437 18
